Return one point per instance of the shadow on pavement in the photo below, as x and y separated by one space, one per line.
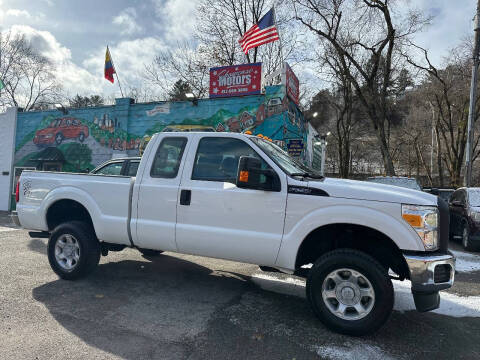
135 309
38 246
173 308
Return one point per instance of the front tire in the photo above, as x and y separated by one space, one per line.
350 292
73 250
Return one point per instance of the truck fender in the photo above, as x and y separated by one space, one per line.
75 194
398 231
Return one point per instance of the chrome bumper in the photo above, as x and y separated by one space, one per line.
422 271
427 280
15 219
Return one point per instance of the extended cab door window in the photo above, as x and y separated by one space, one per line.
168 157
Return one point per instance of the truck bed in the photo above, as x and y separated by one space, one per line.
105 197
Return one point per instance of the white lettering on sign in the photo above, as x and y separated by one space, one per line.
236 78
159 109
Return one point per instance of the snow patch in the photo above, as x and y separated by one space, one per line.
352 351
3 228
450 304
286 285
466 262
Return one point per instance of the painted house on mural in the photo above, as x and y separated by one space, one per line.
86 137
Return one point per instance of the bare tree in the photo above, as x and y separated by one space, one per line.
342 109
447 93
28 77
221 23
185 63
366 41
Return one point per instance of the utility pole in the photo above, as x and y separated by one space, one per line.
473 97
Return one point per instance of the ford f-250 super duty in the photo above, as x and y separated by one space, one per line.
240 197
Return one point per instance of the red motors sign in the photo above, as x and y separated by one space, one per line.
292 84
236 80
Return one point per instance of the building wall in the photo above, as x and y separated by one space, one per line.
7 129
89 136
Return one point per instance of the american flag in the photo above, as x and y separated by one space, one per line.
262 33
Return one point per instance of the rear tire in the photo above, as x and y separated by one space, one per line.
149 252
350 292
73 250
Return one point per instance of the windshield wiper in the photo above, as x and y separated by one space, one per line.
307 174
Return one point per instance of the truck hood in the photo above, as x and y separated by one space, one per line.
363 190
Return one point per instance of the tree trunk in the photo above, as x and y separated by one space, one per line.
382 141
439 158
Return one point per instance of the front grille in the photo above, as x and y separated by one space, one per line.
442 273
444 224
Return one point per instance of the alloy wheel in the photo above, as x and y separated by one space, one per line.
348 294
67 252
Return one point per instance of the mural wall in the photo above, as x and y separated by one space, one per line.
84 138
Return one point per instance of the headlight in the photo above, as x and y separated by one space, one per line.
424 220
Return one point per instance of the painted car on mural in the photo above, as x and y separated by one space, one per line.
242 198
61 129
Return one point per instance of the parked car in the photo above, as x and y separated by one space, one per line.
225 195
401 181
121 166
465 217
444 193
60 129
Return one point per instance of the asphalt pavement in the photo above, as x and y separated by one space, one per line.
185 307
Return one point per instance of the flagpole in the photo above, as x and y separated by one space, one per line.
278 30
120 86
115 72
282 65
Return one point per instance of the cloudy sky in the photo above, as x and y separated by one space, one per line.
75 33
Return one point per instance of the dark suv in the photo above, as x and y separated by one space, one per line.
465 217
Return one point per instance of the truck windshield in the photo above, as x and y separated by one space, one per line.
291 166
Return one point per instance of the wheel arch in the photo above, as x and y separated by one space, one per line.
64 210
371 241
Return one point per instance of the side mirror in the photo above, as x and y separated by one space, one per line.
250 175
434 191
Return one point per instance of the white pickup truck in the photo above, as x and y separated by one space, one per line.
240 197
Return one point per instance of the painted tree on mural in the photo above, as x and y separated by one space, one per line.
78 157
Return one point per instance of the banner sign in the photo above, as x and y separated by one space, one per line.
292 84
295 147
236 80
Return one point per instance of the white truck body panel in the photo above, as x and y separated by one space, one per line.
105 197
260 227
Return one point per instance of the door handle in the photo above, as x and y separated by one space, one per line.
185 197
